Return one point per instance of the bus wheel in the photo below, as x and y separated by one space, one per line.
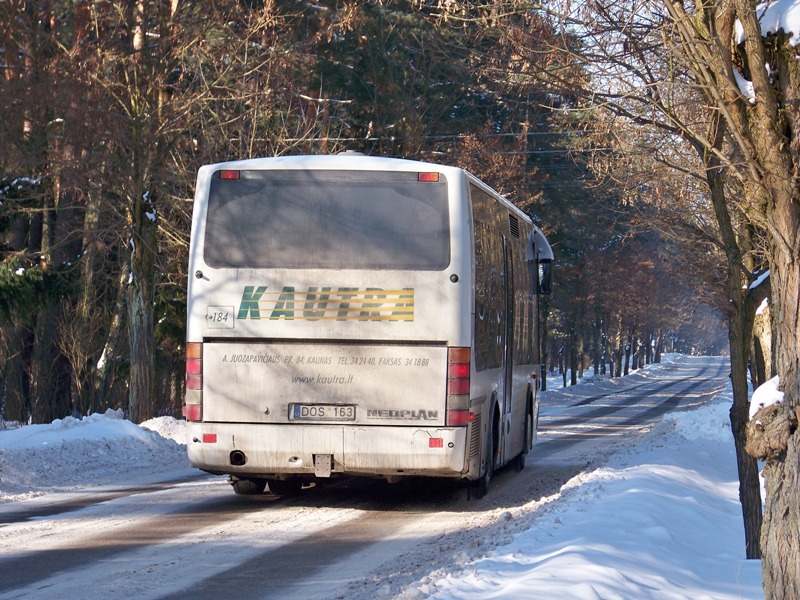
285 487
527 437
481 486
248 487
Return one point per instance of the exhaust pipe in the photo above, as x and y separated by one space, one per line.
238 458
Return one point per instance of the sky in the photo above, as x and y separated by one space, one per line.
660 519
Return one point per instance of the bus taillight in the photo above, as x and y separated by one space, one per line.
193 407
458 368
193 412
459 418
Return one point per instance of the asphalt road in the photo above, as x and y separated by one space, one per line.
349 538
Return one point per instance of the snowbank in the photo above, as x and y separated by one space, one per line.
661 520
99 449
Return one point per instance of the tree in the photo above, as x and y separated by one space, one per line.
762 158
97 178
660 56
42 239
640 74
765 135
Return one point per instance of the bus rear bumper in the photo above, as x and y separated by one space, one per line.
270 450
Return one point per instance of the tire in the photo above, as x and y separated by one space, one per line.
248 487
527 438
285 487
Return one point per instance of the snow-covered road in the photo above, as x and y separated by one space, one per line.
190 536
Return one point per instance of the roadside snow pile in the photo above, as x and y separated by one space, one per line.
168 428
660 520
70 453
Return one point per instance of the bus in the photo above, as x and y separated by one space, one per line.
359 316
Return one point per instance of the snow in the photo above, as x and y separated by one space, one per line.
745 86
781 15
19 183
101 362
660 519
71 453
766 395
762 277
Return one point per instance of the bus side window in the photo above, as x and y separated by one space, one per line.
483 286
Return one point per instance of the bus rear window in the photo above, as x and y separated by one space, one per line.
327 220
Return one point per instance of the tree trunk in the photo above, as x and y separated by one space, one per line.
106 367
50 373
739 332
762 368
17 348
780 540
141 318
749 484
627 351
573 359
597 349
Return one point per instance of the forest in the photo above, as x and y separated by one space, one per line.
655 142
111 107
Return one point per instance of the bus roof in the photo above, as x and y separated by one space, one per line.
345 160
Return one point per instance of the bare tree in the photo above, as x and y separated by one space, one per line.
683 68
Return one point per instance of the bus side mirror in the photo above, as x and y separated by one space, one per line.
545 276
539 256
541 272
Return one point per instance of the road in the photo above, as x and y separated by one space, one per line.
349 538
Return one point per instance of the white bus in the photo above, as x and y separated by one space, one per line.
352 315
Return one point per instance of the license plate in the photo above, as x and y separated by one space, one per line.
322 412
